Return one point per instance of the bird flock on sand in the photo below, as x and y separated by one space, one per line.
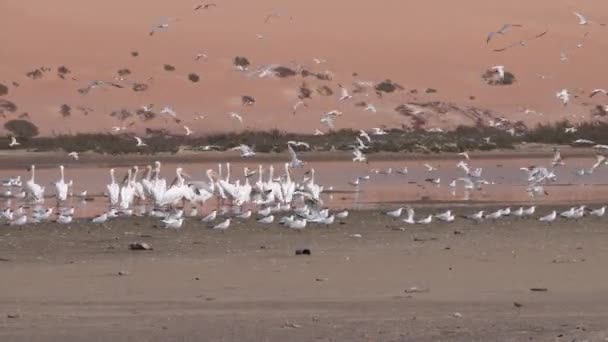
263 194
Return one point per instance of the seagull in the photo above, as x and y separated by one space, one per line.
364 134
530 211
358 156
317 132
521 42
582 20
549 218
299 143
597 91
477 217
465 154
410 216
201 55
223 225
500 70
188 131
425 220
298 104
13 142
502 30
205 6
360 145
246 151
168 110
147 108
599 212
344 95
564 96
140 142
395 213
328 121
378 131
236 116
210 217
430 168
267 219
74 155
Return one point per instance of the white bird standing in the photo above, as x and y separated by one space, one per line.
113 190
34 190
223 225
61 187
549 218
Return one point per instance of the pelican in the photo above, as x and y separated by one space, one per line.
557 158
13 142
140 142
113 190
294 162
34 190
127 191
465 154
61 187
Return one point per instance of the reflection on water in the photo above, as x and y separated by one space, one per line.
508 182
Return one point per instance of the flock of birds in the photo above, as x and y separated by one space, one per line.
299 201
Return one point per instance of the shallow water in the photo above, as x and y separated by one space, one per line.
509 183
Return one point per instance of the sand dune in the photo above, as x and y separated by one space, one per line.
419 44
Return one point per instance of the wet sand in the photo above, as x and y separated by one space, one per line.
246 284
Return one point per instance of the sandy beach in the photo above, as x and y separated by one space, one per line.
459 282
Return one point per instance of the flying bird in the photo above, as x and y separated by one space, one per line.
597 91
344 95
188 130
201 55
13 142
564 96
204 6
298 104
236 116
74 155
502 30
246 151
521 42
363 134
358 156
140 143
169 111
582 20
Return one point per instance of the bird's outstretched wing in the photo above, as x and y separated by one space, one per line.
521 42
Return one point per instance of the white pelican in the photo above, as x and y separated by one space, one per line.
34 190
177 191
127 191
13 142
113 190
557 158
294 162
61 187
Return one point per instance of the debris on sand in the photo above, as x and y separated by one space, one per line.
305 92
430 90
65 110
123 273
517 305
291 325
3 90
247 100
457 314
121 115
13 316
123 72
7 107
168 67
63 71
140 87
358 236
303 251
283 72
599 111
241 62
35 74
140 246
324 76
493 78
539 289
145 115
134 53
325 91
193 77
388 86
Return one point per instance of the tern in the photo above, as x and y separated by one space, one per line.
598 91
378 131
140 142
582 20
223 225
549 218
236 116
395 213
210 217
188 130
267 219
344 95
169 111
426 220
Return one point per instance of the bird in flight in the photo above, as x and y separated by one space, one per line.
188 130
74 155
204 6
582 20
140 143
502 30
298 104
13 142
597 91
170 111
236 116
344 95
201 55
246 151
